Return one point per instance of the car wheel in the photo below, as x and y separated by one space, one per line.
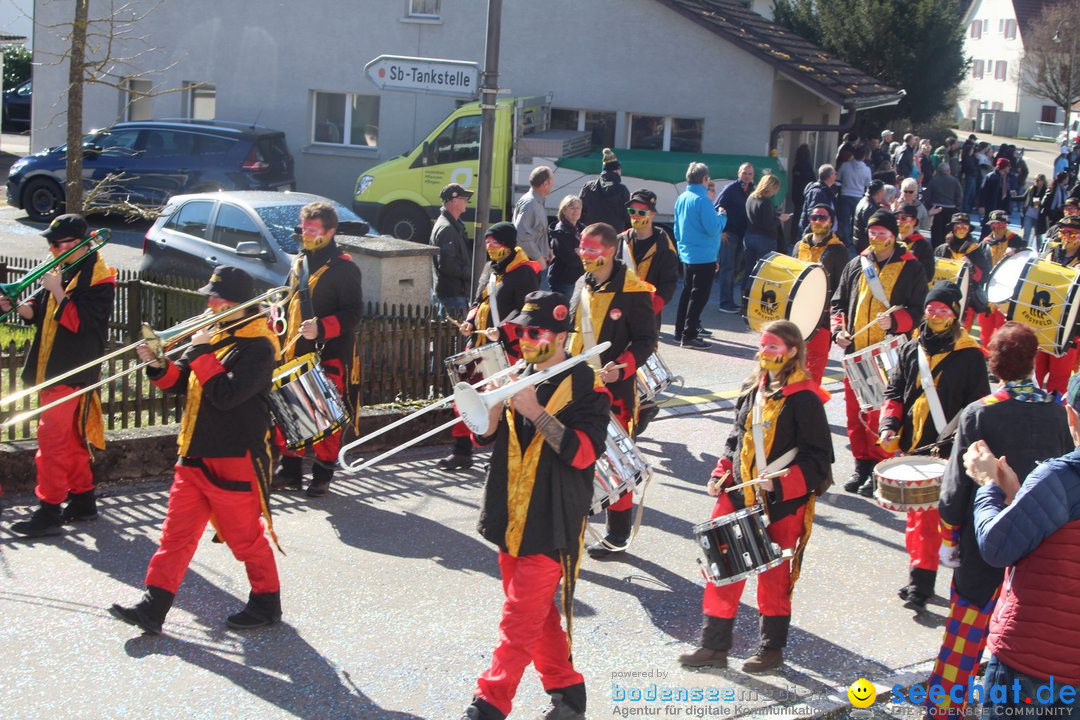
406 221
43 199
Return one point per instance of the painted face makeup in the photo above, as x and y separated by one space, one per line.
773 353
496 251
961 231
537 344
640 216
312 235
939 317
594 255
907 224
881 239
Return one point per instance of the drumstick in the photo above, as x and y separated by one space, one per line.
766 476
720 480
873 322
289 344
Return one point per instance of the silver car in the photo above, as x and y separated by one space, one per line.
251 229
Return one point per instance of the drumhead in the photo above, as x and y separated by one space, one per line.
910 468
808 298
1001 287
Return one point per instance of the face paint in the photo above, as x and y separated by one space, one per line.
881 239
312 235
960 231
939 316
218 305
539 349
1070 239
640 217
639 223
998 229
594 255
907 225
496 251
772 353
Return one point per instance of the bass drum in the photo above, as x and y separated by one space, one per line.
957 271
785 288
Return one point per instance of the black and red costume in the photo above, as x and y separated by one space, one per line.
832 254
996 250
919 246
978 273
536 499
654 260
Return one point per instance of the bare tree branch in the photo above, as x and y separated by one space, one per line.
1050 65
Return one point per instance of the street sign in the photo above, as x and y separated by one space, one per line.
412 74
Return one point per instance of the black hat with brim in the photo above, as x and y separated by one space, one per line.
543 309
231 284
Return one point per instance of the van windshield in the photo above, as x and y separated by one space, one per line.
281 219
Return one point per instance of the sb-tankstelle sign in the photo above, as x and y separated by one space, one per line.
443 77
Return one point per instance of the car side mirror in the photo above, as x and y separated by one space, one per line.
253 250
426 153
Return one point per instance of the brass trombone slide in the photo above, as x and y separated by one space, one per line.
13 290
164 344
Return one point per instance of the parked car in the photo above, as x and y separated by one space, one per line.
1073 136
155 160
255 230
16 114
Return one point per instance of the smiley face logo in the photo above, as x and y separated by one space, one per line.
862 693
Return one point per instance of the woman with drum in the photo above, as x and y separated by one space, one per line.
940 372
1052 372
780 453
958 245
822 245
994 419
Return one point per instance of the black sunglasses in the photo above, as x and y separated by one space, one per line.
533 333
819 217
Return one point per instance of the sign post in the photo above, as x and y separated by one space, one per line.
456 78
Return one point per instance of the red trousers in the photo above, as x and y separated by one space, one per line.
530 631
817 353
773 597
326 450
988 325
1053 373
63 462
195 496
862 429
923 538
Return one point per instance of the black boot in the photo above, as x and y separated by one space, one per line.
482 710
619 524
715 644
289 475
646 413
262 610
320 480
149 613
460 458
863 470
43 523
81 506
770 655
567 703
917 593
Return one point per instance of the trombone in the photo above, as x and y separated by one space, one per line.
472 405
164 344
13 290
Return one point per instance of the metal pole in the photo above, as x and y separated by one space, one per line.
489 89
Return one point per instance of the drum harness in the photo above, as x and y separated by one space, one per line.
757 432
873 281
937 412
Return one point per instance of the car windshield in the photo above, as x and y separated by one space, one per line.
281 219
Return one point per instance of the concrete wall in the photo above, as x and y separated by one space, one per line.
264 65
16 18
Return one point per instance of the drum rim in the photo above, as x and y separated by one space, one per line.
735 514
806 273
1064 332
747 574
893 461
1027 255
287 369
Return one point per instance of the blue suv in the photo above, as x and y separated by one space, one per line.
151 161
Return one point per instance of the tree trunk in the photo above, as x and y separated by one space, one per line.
77 59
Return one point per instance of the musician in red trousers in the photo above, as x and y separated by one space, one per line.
784 407
822 245
1000 244
943 357
1052 372
71 326
537 495
882 292
612 304
222 474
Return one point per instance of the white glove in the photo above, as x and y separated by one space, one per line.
949 555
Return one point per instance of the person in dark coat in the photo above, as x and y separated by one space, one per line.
649 251
564 236
537 495
732 200
869 204
994 193
604 199
802 174
822 245
907 217
822 191
993 419
959 245
453 264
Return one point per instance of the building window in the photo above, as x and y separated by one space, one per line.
976 30
977 69
459 142
345 119
200 100
655 132
973 108
1001 25
686 134
600 124
1010 29
1049 114
428 9
997 106
1001 70
137 104
647 132
985 27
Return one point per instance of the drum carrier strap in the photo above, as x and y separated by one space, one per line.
757 431
937 412
493 307
873 280
588 332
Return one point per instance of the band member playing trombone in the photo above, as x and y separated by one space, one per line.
508 277
780 425
612 304
222 474
882 291
323 314
71 323
822 245
538 492
917 419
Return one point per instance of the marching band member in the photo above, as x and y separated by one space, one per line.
510 276
913 420
994 419
1071 208
1051 372
822 245
958 245
324 310
907 218
537 495
883 290
795 433
222 474
612 304
1000 244
71 325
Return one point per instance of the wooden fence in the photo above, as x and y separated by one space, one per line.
401 351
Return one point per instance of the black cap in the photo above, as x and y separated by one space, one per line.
504 233
826 208
230 283
1069 221
998 216
960 218
874 187
454 191
885 219
1072 201
543 309
645 197
909 210
71 225
946 292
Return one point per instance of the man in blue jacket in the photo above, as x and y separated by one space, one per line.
697 234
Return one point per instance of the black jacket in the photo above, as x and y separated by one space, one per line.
604 200
908 291
979 272
816 193
990 197
337 302
453 265
866 207
518 276
566 267
920 247
656 260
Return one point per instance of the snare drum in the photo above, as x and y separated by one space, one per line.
653 378
868 371
777 281
907 483
737 546
621 469
305 402
957 271
476 363
1044 299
